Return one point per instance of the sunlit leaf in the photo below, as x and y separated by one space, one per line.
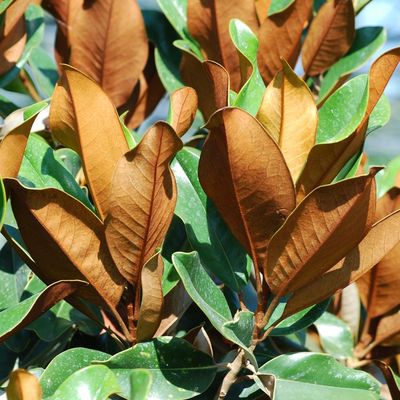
23 385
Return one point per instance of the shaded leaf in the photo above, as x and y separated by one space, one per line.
152 298
208 23
330 36
207 234
179 371
212 302
280 36
98 46
325 226
182 109
95 382
392 380
318 376
23 385
3 203
13 145
66 364
289 114
254 193
101 139
335 336
142 201
209 79
367 41
66 240
379 287
17 317
387 330
382 238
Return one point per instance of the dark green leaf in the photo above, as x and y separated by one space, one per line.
366 42
65 364
70 159
205 293
179 371
207 233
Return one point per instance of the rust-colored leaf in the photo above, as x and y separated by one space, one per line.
147 94
244 173
12 46
280 36
325 226
50 296
388 330
379 288
23 385
208 23
12 148
64 11
101 140
66 241
142 201
182 109
13 15
109 43
210 80
152 298
330 36
327 159
380 240
262 7
62 117
289 114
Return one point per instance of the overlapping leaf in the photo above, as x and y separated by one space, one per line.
142 200
243 171
329 223
101 31
280 36
23 386
330 36
208 23
289 114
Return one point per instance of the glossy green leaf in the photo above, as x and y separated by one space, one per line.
42 168
343 111
250 95
43 71
70 159
360 4
210 299
278 6
179 371
380 115
34 19
350 168
4 5
66 364
297 321
207 233
13 276
18 316
312 376
335 335
367 41
387 178
141 381
96 382
167 56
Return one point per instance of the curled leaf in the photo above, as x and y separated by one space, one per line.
289 114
